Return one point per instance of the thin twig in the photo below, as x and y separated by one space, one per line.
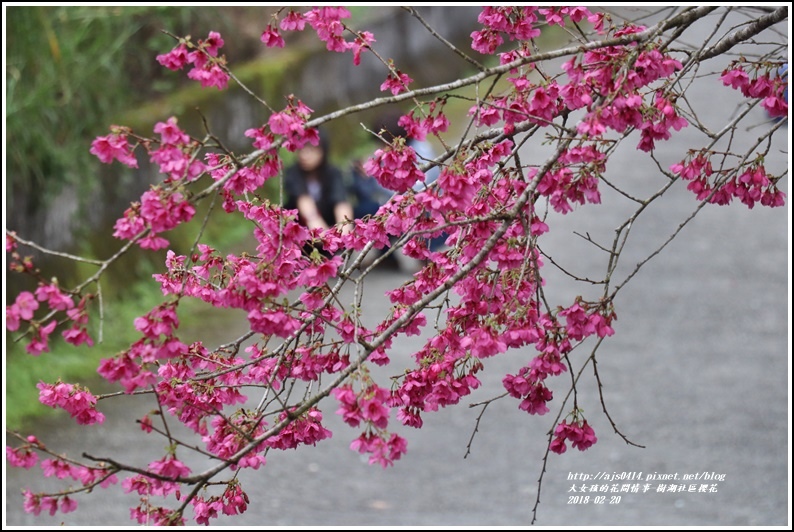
445 42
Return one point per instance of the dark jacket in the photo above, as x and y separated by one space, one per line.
328 194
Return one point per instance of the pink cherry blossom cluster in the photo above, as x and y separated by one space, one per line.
533 394
126 370
291 124
580 434
764 85
77 334
162 481
434 122
114 146
396 82
208 68
160 209
35 504
271 36
458 184
233 501
22 309
528 384
368 405
520 24
751 183
602 71
55 301
444 375
327 23
237 282
605 68
539 104
395 167
39 341
231 435
75 399
517 23
175 154
307 429
574 178
658 121
26 456
383 448
552 341
190 396
579 324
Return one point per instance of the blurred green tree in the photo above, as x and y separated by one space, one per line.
70 71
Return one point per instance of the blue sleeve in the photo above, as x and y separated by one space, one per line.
424 153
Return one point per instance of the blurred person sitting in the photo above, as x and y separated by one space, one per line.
316 188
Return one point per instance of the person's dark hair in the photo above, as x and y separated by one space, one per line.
325 142
324 145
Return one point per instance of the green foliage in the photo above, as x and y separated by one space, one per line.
60 65
126 295
70 72
67 362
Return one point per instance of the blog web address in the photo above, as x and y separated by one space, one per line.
610 487
641 476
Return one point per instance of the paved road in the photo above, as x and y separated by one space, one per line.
698 373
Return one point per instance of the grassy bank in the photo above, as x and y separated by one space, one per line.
125 297
67 362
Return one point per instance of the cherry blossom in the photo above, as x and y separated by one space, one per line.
482 296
